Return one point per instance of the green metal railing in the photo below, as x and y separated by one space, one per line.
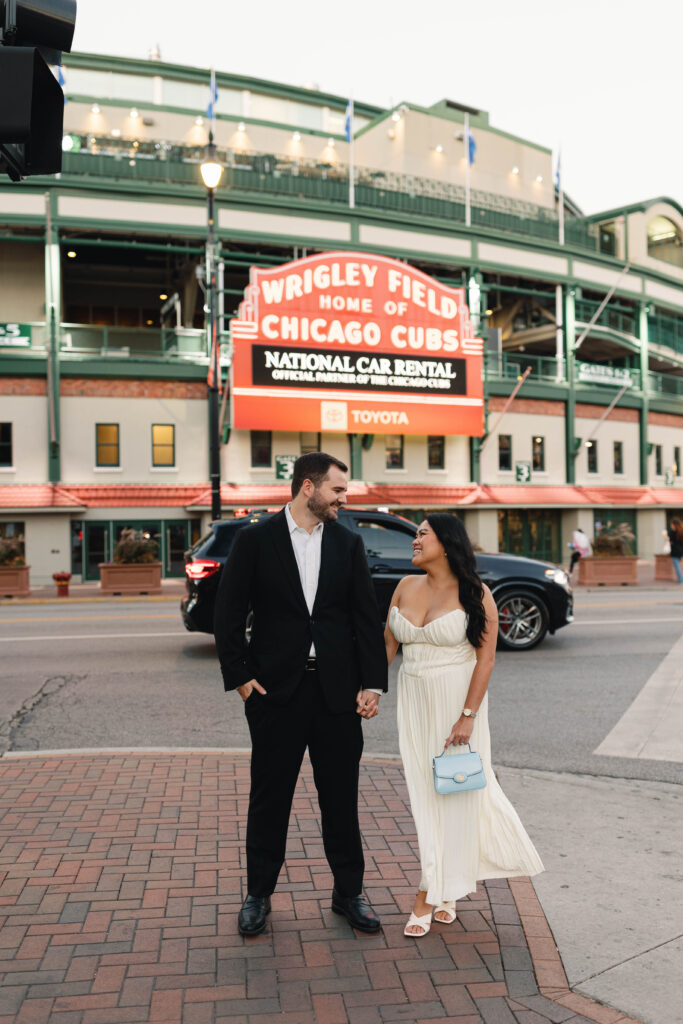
79 341
616 318
143 342
511 366
666 330
665 384
324 181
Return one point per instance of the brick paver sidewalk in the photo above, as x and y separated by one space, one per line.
121 876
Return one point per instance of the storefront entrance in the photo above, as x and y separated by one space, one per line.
98 542
534 533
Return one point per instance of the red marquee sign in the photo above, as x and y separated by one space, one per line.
353 342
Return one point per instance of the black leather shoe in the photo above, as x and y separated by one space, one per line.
251 919
357 912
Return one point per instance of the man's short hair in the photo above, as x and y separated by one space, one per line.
313 466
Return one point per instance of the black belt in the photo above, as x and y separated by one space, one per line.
311 665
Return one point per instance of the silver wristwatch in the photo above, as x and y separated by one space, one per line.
469 713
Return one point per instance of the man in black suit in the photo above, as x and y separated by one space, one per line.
315 665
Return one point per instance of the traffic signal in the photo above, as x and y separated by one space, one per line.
32 32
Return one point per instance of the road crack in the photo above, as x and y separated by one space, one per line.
52 686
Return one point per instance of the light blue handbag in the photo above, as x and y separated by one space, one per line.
458 773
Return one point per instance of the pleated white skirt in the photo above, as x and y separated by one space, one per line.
463 837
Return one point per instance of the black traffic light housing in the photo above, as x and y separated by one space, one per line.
31 99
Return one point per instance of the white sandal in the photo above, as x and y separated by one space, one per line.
447 907
424 922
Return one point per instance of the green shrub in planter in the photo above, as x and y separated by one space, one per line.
134 548
11 552
613 539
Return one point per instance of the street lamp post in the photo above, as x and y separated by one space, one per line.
212 172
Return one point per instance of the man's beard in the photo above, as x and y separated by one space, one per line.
325 511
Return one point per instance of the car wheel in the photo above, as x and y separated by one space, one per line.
522 620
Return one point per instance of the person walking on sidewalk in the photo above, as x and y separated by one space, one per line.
676 542
581 548
315 665
447 622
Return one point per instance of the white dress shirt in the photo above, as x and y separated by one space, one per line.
307 547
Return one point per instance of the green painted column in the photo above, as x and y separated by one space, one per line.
569 359
475 298
53 317
475 460
644 337
476 442
356 456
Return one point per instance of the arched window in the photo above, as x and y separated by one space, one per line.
664 241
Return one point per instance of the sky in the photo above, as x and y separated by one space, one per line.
600 79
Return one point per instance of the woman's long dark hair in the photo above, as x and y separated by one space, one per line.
677 527
458 547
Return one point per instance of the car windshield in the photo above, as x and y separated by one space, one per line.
382 542
199 544
224 535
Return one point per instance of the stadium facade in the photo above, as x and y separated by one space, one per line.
103 397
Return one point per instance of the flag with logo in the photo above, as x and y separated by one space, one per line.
62 81
213 97
471 146
348 121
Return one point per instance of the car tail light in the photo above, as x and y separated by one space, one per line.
201 568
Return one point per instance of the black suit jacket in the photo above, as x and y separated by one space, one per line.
261 573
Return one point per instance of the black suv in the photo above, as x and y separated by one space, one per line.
533 598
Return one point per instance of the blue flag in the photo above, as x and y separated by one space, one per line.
471 147
61 80
348 121
557 172
213 96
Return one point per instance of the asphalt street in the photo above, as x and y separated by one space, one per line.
126 674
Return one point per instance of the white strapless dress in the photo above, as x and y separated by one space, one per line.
462 837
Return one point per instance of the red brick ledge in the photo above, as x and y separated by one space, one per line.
545 956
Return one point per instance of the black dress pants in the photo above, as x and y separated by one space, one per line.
279 736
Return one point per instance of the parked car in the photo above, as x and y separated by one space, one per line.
533 598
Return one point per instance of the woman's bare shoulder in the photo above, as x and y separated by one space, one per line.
408 583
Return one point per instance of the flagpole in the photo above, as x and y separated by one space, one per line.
468 214
560 198
352 171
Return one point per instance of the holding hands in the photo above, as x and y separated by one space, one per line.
367 703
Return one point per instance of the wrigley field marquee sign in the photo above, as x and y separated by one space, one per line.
356 343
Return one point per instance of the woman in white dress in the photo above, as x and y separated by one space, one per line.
447 622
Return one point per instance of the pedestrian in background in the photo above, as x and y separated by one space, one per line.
676 542
581 548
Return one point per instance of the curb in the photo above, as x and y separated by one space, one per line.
547 962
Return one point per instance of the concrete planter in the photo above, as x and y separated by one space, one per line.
130 578
664 568
14 581
614 570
